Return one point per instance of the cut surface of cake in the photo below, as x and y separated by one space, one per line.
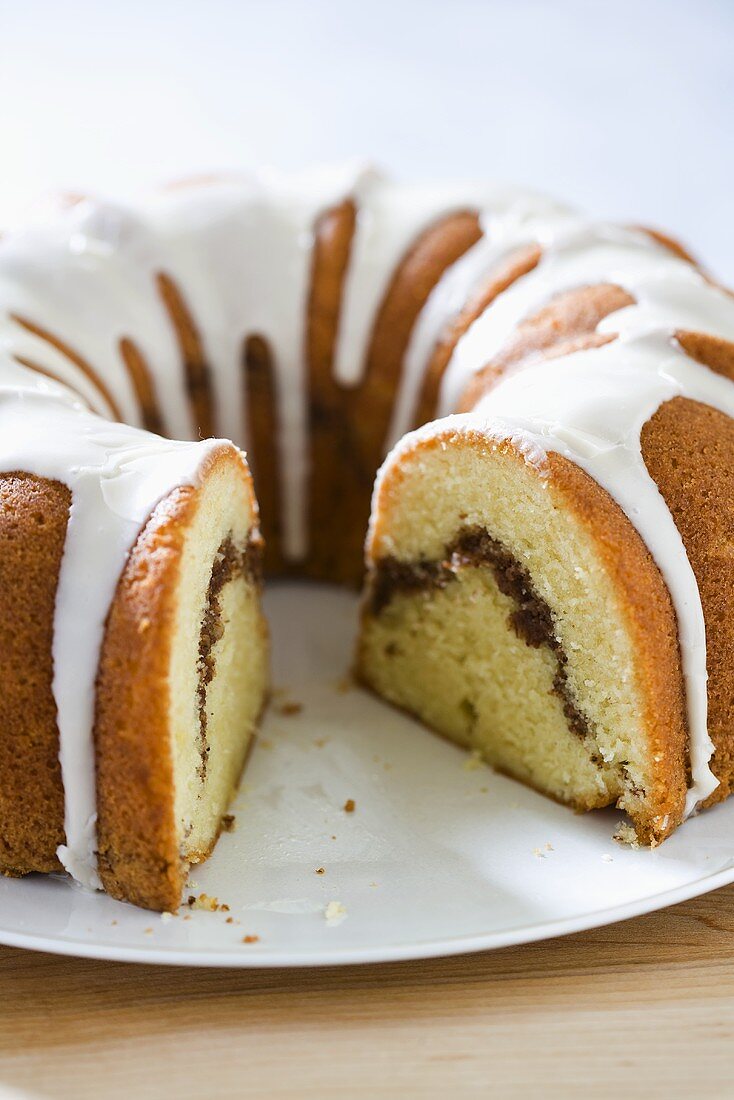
511 610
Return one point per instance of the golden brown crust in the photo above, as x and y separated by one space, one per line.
33 518
329 412
197 369
352 422
689 451
144 386
643 597
261 411
711 351
139 857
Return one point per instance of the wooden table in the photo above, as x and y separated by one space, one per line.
646 1007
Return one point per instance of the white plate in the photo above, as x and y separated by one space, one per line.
440 856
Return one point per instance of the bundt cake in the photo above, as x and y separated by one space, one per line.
548 563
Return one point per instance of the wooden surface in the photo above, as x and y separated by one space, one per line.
646 1007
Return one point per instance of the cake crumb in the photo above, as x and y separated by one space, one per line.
148 931
549 848
319 742
320 870
626 836
606 858
166 917
229 920
539 853
349 806
473 761
229 823
250 939
289 709
335 913
204 901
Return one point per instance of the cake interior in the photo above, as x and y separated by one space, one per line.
218 660
490 617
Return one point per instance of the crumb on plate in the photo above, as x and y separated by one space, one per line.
335 913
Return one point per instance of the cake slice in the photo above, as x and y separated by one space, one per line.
514 609
181 681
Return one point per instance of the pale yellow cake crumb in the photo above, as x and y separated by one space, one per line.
473 762
205 901
335 913
626 836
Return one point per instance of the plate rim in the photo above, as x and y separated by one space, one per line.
406 951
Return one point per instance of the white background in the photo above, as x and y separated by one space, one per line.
626 108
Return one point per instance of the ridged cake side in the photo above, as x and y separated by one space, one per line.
33 518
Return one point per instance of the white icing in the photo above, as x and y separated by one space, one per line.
240 251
